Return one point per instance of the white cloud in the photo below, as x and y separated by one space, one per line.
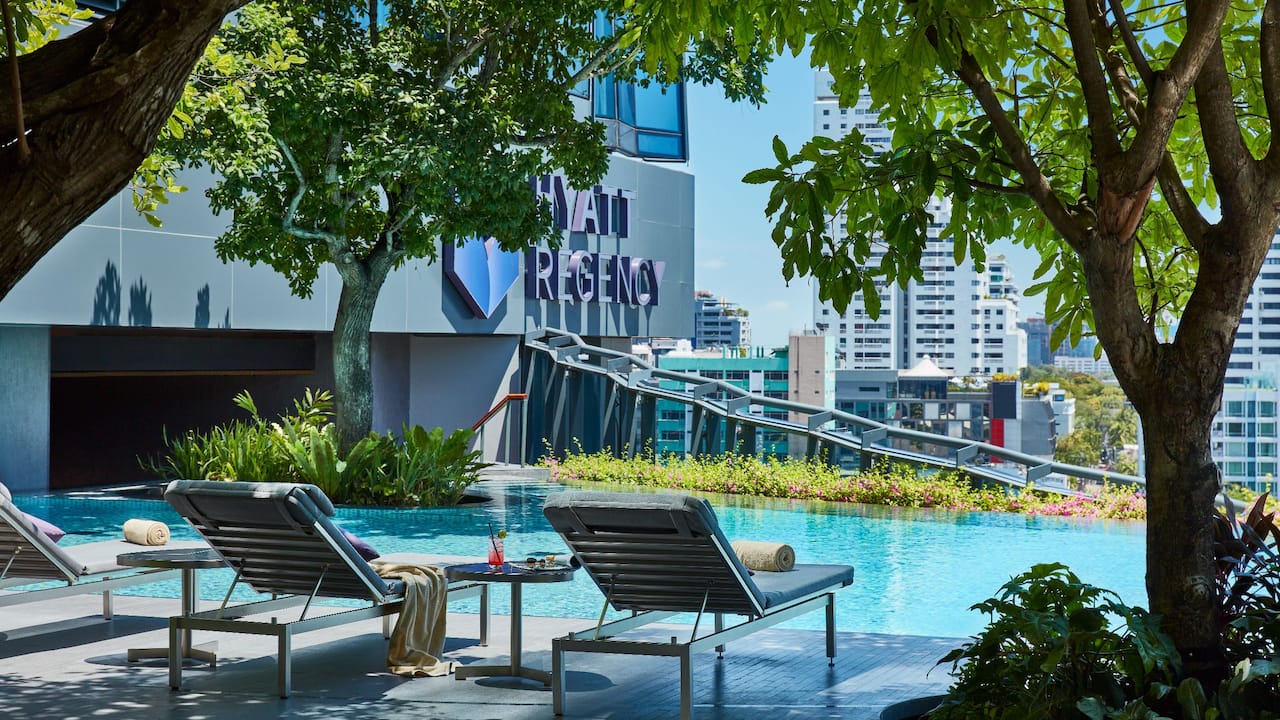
777 305
716 263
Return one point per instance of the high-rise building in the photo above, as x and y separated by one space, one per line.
1245 431
964 320
1038 332
719 323
803 372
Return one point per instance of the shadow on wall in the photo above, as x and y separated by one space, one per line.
203 314
106 298
139 304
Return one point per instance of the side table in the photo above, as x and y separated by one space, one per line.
188 561
516 576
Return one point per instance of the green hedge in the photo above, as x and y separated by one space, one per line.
885 484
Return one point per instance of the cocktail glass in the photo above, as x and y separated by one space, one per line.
495 552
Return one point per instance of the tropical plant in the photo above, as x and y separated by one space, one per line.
1248 581
1059 648
427 468
430 469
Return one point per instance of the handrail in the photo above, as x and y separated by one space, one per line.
568 352
498 406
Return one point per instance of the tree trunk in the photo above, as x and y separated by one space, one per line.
1177 389
352 371
94 104
1182 482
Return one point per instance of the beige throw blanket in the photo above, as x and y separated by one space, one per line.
417 640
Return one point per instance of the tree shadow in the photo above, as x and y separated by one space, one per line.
106 298
202 307
139 304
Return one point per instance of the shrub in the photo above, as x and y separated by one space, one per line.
1056 647
885 484
427 468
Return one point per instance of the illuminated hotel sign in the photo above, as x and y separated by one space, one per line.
483 273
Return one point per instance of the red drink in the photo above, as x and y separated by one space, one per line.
495 552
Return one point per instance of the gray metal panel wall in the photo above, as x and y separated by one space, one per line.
24 405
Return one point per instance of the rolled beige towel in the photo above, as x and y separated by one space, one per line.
146 532
765 556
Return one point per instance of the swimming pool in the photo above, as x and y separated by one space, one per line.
918 571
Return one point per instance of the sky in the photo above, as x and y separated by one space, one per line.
734 255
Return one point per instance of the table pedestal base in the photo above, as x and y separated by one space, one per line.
204 652
468 671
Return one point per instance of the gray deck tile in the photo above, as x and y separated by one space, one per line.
60 660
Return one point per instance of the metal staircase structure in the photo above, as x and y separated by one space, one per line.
587 398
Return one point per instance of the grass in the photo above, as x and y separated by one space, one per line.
885 484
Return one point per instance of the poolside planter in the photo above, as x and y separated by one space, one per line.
911 709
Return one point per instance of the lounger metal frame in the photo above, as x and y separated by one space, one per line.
26 558
603 640
230 619
671 574
294 556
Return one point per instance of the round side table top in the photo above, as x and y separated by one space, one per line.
509 572
188 558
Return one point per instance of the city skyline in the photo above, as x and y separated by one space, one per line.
734 254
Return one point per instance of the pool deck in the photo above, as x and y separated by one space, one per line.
62 660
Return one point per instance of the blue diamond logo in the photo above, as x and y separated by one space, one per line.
481 272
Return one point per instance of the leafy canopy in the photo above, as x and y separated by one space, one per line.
333 140
909 58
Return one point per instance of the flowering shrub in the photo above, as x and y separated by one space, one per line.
885 484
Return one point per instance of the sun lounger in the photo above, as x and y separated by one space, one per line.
279 539
28 557
657 555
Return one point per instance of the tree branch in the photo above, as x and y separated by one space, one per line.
1170 91
1184 209
287 223
1270 62
1233 168
1097 98
1131 43
92 65
469 51
589 70
1035 182
15 82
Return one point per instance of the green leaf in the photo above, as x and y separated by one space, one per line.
764 175
780 150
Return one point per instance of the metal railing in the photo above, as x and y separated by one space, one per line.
588 398
483 423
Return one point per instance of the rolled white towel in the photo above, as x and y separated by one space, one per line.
765 556
146 532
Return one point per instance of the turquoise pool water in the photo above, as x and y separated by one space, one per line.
918 571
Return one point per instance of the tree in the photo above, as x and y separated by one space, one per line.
1080 447
368 135
1128 142
89 107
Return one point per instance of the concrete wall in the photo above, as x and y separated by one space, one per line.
390 366
455 380
24 405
